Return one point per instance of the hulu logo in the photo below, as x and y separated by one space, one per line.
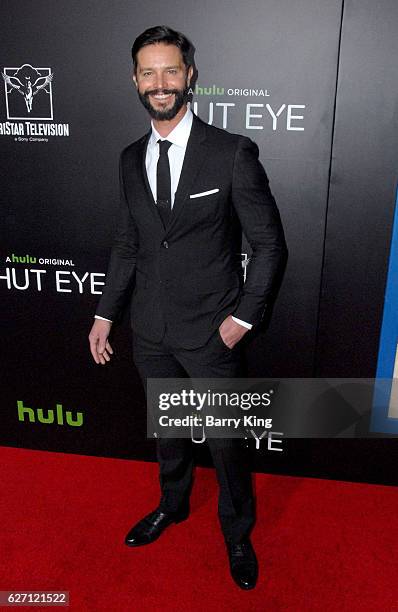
209 91
51 416
23 259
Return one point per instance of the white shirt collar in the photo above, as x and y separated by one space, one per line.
179 135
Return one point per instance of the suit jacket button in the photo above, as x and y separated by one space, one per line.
165 244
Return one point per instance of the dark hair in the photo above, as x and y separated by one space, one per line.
165 35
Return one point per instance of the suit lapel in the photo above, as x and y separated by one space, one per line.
141 173
144 175
194 158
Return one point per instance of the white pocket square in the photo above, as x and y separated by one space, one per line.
203 193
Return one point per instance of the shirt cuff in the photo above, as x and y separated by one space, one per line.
102 318
240 322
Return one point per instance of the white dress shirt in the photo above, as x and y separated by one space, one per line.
179 139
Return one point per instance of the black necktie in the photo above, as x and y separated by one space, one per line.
163 185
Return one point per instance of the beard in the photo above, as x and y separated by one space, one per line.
180 98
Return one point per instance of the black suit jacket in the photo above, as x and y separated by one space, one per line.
188 276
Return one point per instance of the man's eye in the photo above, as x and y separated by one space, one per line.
173 71
145 74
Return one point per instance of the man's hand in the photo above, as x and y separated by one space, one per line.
231 332
100 348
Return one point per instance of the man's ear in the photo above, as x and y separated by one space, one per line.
135 80
189 75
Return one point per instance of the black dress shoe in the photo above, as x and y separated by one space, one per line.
151 527
243 564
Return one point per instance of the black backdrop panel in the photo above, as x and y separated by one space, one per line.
362 191
59 196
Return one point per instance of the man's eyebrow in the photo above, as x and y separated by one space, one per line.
166 68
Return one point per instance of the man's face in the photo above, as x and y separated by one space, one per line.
162 80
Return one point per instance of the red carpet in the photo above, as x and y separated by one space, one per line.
322 545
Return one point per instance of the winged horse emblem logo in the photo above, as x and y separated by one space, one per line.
27 81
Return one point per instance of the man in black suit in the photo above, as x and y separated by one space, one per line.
185 189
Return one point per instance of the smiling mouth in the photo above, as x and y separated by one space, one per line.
161 97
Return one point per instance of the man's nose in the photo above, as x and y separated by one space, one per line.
160 81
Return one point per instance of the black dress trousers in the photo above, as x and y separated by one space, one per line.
214 360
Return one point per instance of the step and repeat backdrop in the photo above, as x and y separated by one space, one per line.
312 83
